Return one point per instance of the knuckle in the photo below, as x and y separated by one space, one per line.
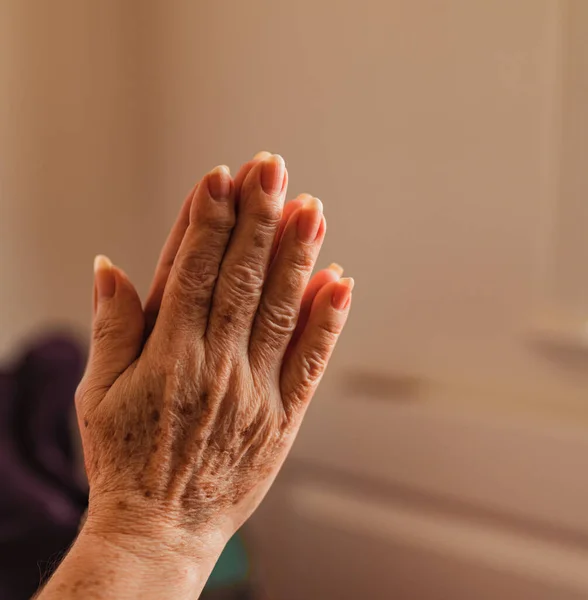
218 222
244 280
86 395
329 330
197 271
277 320
313 366
294 273
302 262
268 215
105 330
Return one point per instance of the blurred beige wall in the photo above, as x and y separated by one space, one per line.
74 158
447 140
430 130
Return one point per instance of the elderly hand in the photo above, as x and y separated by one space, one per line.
189 407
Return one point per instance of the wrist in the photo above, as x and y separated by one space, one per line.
134 555
152 536
110 563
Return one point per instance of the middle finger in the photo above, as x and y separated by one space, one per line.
246 261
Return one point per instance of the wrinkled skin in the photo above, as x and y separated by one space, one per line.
190 404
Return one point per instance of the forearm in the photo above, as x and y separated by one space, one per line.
99 567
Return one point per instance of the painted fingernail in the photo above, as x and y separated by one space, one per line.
272 174
342 293
337 268
219 182
309 220
104 277
262 155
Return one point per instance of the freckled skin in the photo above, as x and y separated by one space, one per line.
194 453
194 427
190 403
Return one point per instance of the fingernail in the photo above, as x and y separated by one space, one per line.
304 197
337 268
262 155
309 220
219 182
272 174
104 277
342 293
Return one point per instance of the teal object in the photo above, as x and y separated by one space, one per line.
232 567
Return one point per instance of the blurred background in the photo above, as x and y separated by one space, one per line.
446 453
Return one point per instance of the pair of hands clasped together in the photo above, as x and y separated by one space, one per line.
190 403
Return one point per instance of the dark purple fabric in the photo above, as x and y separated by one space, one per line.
42 497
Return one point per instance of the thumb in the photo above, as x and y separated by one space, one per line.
117 330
